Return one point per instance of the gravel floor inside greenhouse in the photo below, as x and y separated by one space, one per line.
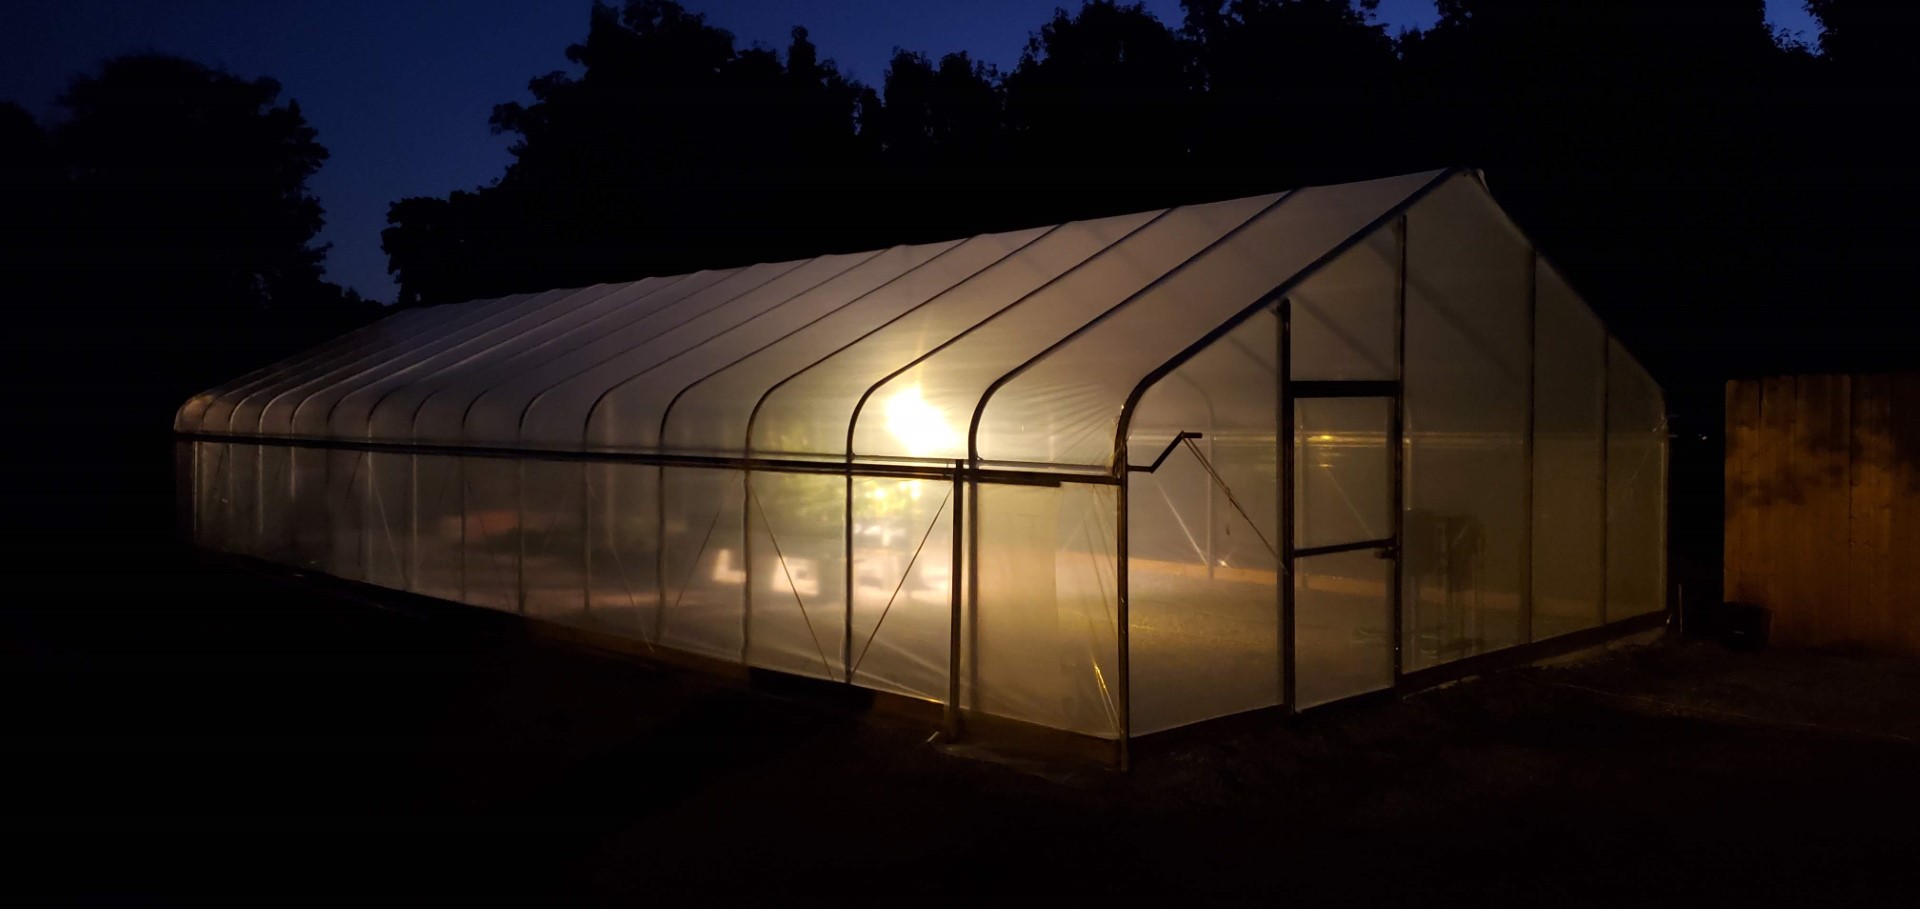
186 729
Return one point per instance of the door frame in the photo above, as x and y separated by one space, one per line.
1291 392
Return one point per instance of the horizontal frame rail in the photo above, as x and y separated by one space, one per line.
1308 552
777 465
1162 459
1385 388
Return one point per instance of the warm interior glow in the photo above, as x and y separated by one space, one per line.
919 426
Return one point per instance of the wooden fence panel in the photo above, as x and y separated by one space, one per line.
1822 521
1744 573
1901 611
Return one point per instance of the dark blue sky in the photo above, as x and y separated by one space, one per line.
400 90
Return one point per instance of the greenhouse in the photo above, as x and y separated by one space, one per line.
1104 478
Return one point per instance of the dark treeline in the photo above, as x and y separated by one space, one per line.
1721 193
158 238
1731 201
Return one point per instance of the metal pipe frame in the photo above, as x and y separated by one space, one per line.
1526 445
1283 438
980 407
1343 388
1308 552
967 475
1606 445
1122 619
1162 459
1397 457
955 606
846 639
926 471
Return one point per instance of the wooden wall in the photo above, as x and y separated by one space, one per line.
1823 508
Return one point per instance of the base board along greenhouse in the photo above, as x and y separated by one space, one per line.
1037 476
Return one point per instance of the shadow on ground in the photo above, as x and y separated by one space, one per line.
189 729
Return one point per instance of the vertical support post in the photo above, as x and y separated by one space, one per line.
367 513
1211 459
746 564
1678 616
1397 444
1121 636
520 532
1526 450
659 552
953 621
846 639
1284 440
1606 444
260 496
972 554
413 518
186 484
460 491
586 539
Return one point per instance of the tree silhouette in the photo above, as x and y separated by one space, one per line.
669 139
172 231
940 133
196 179
1865 33
1296 91
1698 179
1101 98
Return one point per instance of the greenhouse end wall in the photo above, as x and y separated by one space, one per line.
1471 463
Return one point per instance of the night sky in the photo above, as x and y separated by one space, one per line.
400 90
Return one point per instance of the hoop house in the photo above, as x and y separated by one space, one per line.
1109 477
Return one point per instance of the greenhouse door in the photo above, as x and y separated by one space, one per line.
1338 480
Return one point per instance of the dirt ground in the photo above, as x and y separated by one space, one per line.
178 729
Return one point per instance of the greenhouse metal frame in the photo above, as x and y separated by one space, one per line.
1033 477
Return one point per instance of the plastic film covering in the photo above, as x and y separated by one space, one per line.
1468 350
927 410
490 546
308 410
1343 314
212 493
624 524
387 516
242 409
351 416
1042 634
438 559
703 565
559 415
831 559
1343 626
712 413
193 416
812 411
489 409
443 415
276 508
1066 408
1204 603
1342 471
1636 489
553 555
1569 427
394 415
797 599
903 581
630 415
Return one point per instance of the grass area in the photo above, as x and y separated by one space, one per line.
178 728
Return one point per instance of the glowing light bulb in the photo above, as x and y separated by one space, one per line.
918 425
